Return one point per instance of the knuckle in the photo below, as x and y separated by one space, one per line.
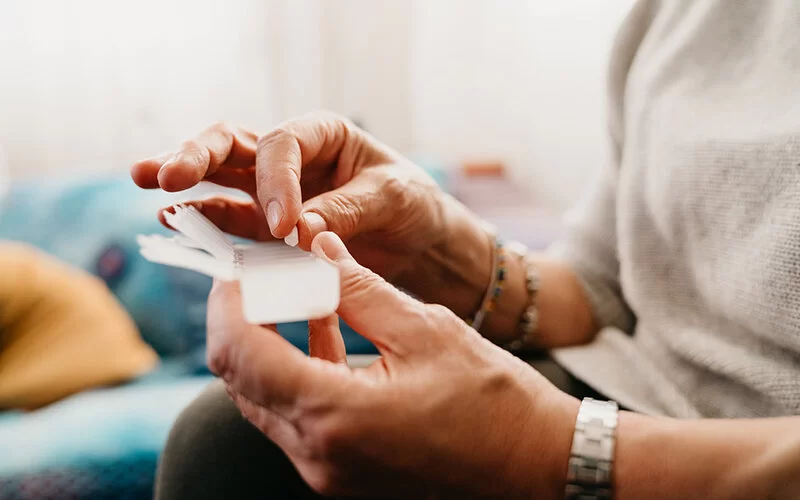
496 380
217 356
323 481
396 190
280 134
281 171
439 314
343 212
409 195
358 281
440 321
329 441
190 145
407 199
321 439
195 151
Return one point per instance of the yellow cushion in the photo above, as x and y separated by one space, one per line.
61 331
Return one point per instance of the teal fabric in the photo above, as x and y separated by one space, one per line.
84 221
92 223
98 444
105 443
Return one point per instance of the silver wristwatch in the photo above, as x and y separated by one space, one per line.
592 455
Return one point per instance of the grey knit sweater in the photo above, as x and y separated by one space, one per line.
689 245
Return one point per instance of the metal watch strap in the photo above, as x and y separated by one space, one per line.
592 455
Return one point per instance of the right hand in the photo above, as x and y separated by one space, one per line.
443 413
319 173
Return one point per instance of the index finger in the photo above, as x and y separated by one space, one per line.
197 159
281 155
257 362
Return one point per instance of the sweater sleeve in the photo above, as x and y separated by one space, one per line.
589 246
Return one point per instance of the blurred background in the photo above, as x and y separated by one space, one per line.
503 102
94 85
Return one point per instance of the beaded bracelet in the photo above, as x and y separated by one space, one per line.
495 288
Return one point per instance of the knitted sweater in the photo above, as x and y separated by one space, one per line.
688 246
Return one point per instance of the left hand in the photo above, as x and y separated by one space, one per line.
442 412
320 173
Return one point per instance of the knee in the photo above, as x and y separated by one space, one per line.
197 445
213 452
200 423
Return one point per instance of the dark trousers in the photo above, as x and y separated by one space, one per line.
213 452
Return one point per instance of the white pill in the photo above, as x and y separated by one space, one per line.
293 239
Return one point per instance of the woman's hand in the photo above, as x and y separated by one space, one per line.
319 173
442 411
322 173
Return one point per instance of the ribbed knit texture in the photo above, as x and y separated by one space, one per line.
689 244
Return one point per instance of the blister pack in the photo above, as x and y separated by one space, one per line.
279 283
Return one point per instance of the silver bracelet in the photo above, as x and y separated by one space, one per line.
592 455
529 322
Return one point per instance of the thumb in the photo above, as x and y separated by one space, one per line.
387 317
348 210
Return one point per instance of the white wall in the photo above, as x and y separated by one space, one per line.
92 84
368 65
292 51
522 81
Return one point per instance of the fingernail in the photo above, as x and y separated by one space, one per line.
314 223
293 239
274 215
329 245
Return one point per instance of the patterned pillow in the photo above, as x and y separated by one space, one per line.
92 224
61 331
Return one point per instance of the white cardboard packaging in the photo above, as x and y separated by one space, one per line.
279 283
